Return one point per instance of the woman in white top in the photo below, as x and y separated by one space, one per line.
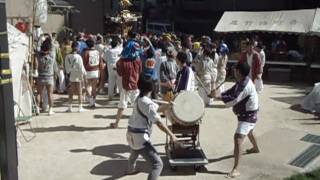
222 65
75 69
259 81
206 69
145 114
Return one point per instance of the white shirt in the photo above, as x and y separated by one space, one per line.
149 109
191 82
249 90
249 61
263 58
74 66
112 55
100 48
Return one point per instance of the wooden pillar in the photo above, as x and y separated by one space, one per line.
8 142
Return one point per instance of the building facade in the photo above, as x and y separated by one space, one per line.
201 16
22 10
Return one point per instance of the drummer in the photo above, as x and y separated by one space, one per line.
168 74
244 100
140 128
185 77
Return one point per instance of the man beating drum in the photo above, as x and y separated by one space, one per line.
244 100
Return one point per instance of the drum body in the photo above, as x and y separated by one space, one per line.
187 109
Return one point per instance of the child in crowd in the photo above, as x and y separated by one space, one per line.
206 69
92 62
76 71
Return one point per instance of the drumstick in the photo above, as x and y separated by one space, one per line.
209 95
201 83
220 85
162 102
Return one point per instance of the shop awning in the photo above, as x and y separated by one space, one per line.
293 21
59 4
315 29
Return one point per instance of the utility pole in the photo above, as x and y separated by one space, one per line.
8 142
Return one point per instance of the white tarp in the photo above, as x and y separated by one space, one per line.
18 54
293 21
312 101
315 29
41 12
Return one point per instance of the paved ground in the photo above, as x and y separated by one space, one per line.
79 146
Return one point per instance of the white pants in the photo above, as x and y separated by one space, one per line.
62 85
127 96
203 94
113 81
220 79
259 85
244 127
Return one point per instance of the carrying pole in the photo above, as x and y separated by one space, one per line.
8 141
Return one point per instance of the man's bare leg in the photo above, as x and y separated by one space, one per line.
238 140
255 148
118 117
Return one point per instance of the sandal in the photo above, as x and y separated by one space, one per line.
132 172
233 174
113 125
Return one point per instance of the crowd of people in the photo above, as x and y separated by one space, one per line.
142 64
82 63
85 63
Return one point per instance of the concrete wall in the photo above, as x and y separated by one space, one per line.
19 8
23 8
91 16
54 24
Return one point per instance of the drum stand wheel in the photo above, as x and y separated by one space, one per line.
190 153
198 168
173 168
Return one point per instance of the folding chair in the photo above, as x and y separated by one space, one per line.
22 119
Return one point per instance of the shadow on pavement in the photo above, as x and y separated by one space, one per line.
116 168
289 100
113 103
206 171
67 128
308 119
309 123
298 108
220 159
99 116
113 151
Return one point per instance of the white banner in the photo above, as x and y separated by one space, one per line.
41 12
296 21
18 53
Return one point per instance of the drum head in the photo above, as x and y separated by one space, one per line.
188 107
